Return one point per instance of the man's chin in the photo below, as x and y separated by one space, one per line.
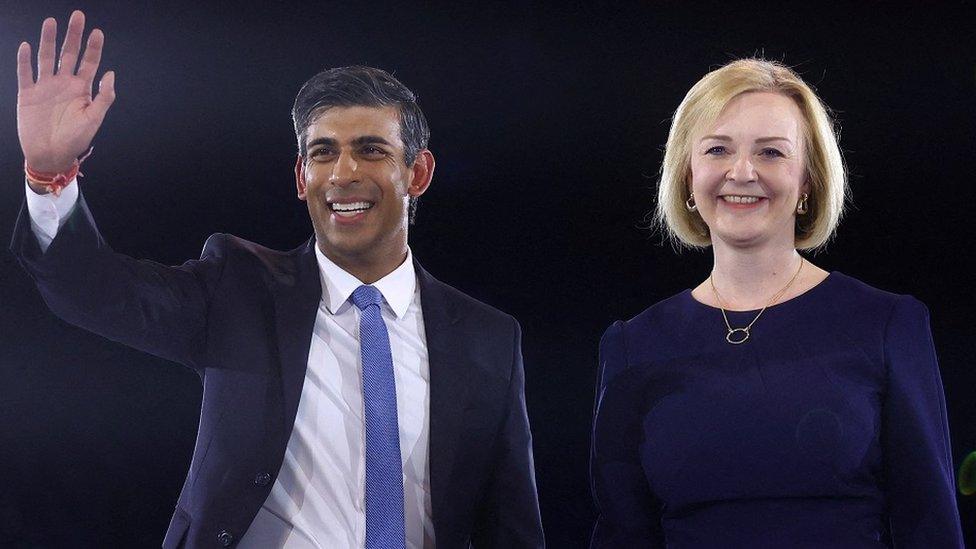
345 247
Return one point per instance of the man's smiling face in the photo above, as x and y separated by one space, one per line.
357 184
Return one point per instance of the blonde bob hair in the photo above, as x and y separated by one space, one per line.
701 107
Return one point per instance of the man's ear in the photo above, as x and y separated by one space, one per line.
423 172
300 177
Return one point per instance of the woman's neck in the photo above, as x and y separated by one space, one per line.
749 278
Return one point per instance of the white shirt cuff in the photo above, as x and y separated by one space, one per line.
48 212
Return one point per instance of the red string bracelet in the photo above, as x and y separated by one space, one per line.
56 182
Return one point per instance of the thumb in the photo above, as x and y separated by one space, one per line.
105 97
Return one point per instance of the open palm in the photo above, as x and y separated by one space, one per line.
57 117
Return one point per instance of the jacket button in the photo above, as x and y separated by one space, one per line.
225 538
262 479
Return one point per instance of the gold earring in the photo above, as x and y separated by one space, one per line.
801 204
690 203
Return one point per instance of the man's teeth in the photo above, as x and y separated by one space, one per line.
351 208
741 199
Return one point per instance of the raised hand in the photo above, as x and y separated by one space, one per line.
57 117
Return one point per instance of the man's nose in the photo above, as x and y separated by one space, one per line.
344 170
742 169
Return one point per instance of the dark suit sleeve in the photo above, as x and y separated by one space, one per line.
510 516
152 307
628 513
920 493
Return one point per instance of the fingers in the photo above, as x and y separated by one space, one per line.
105 97
72 43
45 51
92 57
25 73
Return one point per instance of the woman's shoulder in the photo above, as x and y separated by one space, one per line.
663 315
851 293
855 311
649 333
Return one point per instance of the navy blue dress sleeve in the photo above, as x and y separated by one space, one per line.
918 471
629 514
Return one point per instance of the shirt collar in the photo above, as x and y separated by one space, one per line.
397 287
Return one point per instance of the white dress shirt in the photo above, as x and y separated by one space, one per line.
318 497
48 212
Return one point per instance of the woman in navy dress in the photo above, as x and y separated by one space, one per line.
775 404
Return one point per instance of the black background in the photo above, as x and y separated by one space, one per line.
548 125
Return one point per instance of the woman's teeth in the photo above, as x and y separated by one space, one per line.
741 199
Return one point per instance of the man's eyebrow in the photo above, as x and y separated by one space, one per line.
368 139
321 141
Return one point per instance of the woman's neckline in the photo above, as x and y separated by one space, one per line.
811 290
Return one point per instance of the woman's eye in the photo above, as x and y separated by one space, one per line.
772 153
716 150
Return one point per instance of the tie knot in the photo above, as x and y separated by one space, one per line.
366 295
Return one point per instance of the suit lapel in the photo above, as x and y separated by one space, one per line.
297 290
447 390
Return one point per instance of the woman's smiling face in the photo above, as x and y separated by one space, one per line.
748 170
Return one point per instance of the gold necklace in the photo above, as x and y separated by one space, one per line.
730 337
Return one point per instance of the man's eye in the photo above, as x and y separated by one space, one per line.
370 150
320 153
716 150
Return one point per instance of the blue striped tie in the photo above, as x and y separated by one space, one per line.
384 470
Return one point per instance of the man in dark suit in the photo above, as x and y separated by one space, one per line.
350 399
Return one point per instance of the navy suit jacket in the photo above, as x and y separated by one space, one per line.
241 316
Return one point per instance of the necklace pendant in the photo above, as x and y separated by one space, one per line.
737 340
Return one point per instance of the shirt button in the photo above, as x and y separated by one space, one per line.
262 479
225 538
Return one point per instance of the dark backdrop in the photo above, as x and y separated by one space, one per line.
548 126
